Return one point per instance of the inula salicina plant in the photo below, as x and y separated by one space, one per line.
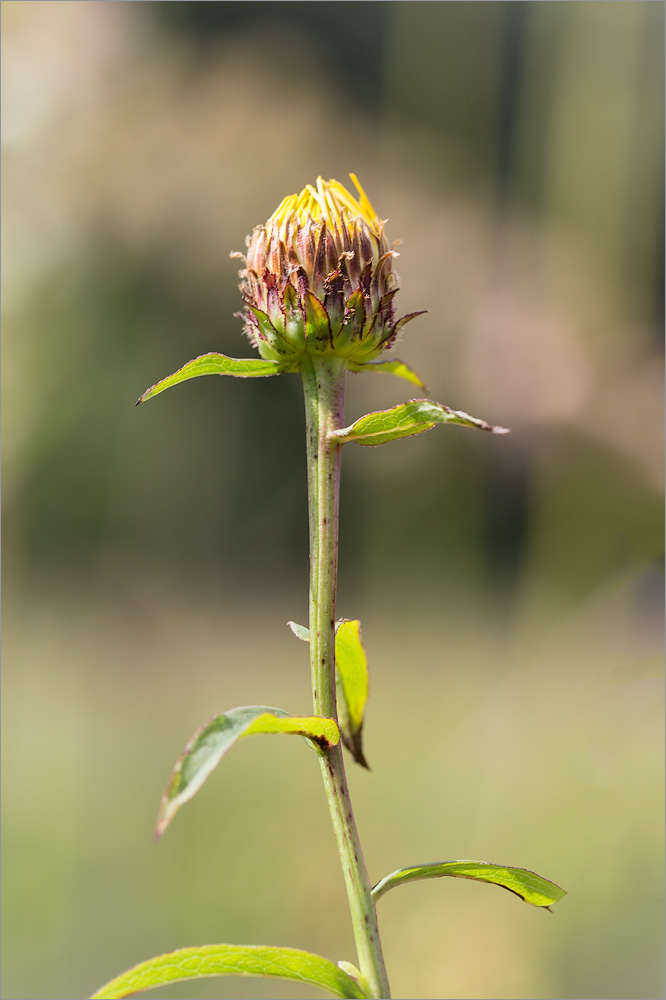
319 294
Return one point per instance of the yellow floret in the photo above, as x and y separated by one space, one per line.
329 201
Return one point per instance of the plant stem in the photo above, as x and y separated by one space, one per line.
324 388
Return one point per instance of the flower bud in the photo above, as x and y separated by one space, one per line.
318 278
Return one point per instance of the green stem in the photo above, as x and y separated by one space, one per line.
324 388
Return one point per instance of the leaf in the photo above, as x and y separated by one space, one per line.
351 667
214 364
413 417
212 740
532 888
232 960
300 631
392 367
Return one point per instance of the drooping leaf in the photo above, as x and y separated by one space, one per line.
212 740
351 667
409 418
532 888
214 364
390 367
232 960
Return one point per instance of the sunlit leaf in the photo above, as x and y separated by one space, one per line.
409 418
214 364
210 743
351 667
232 960
391 367
532 888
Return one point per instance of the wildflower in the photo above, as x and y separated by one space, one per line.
318 277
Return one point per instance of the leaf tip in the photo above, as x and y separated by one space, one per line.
164 817
300 631
145 395
500 430
353 743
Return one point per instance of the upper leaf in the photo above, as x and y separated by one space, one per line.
409 418
232 960
392 367
532 888
351 666
210 743
214 364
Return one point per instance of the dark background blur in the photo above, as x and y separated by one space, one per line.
510 589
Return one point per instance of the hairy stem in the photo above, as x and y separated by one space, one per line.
324 388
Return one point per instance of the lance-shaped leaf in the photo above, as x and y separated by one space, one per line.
233 960
351 669
210 743
409 418
532 888
390 367
215 364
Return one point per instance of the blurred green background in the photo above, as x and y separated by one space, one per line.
510 589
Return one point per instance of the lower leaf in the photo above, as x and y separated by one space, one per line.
531 888
211 742
232 960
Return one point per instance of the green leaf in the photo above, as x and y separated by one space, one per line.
351 667
232 960
300 631
532 888
214 364
400 421
391 367
212 740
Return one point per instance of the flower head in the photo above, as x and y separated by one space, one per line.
318 277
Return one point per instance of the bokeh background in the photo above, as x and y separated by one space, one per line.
510 589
